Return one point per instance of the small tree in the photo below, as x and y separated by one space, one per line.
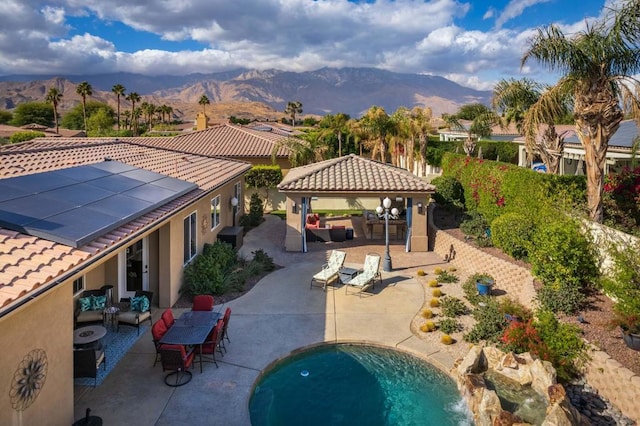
263 177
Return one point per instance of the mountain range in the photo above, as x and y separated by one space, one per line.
257 94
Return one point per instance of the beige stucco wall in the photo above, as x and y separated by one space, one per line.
170 238
44 323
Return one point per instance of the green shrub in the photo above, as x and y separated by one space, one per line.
490 323
262 258
512 233
623 278
449 191
210 272
449 325
474 225
565 261
452 307
471 292
446 277
256 211
514 308
25 136
567 349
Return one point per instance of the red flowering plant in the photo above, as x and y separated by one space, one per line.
522 337
621 200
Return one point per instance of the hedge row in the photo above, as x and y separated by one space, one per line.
531 216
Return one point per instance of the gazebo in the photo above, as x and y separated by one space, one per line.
354 176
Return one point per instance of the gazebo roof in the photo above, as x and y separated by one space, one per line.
353 173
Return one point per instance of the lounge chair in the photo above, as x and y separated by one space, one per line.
330 270
367 277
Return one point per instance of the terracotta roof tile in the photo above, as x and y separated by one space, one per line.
352 173
225 140
29 262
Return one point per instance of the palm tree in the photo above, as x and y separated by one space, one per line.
598 65
119 90
421 127
482 121
54 96
134 97
377 123
84 89
335 125
302 151
204 101
293 109
402 140
512 98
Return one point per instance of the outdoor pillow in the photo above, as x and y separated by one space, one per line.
98 302
140 304
85 304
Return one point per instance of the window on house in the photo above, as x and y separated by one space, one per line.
78 285
190 231
215 212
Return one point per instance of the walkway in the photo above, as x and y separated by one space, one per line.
279 315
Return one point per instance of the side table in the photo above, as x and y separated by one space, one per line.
111 316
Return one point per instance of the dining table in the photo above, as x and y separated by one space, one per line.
191 329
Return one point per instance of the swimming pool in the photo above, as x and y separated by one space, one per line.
346 384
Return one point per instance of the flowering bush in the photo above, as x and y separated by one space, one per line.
621 199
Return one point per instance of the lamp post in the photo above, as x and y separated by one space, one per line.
234 204
386 203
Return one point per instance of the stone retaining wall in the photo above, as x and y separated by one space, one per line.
610 378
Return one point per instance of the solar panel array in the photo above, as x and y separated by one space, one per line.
77 205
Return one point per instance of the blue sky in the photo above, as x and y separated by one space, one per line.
475 43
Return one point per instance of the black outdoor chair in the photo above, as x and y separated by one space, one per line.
86 362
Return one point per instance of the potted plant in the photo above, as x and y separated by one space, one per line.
629 323
484 282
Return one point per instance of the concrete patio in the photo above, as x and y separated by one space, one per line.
279 315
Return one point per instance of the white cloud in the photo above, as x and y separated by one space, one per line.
515 9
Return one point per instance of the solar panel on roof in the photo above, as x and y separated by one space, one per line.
75 206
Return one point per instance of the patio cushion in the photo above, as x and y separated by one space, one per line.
84 303
98 302
140 304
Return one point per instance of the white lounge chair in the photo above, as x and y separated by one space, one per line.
330 270
367 277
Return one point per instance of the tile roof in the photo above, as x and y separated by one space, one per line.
28 263
353 173
226 140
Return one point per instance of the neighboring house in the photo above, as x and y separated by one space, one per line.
78 214
498 133
231 141
619 153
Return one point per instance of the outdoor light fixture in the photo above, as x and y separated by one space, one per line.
234 205
420 207
386 203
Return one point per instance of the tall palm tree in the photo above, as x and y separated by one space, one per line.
293 109
421 127
54 96
482 121
378 124
598 65
134 97
302 151
204 101
402 140
84 89
335 125
512 99
118 90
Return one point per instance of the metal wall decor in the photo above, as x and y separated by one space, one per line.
28 379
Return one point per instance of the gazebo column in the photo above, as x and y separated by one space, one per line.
419 228
295 229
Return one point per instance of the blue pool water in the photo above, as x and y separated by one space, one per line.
356 385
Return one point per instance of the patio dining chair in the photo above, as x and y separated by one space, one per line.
212 344
330 270
178 360
167 317
367 277
158 329
202 302
225 325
